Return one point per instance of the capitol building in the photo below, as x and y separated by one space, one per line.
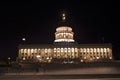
64 49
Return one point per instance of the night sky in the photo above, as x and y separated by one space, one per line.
37 21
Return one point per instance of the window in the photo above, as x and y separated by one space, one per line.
21 51
94 49
61 49
25 50
69 50
58 49
65 49
98 49
35 50
91 50
46 51
54 49
104 49
101 50
84 50
31 50
76 50
108 49
72 49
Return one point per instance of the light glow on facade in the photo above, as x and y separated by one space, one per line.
81 53
66 51
38 56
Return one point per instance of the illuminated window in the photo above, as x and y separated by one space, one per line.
108 49
94 49
101 50
104 49
60 36
58 49
65 49
61 49
38 50
88 50
64 36
35 50
81 50
91 49
76 50
22 51
49 50
45 50
98 50
31 50
25 50
69 50
72 49
54 49
84 50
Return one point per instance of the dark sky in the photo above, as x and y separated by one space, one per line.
37 21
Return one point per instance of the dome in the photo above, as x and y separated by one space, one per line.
64 34
64 28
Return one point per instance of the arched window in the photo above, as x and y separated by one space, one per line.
54 49
31 50
94 50
81 50
98 49
69 50
84 50
25 50
88 50
72 49
61 49
35 50
65 49
21 51
101 50
58 49
46 50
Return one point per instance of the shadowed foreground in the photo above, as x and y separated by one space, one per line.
93 71
61 77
